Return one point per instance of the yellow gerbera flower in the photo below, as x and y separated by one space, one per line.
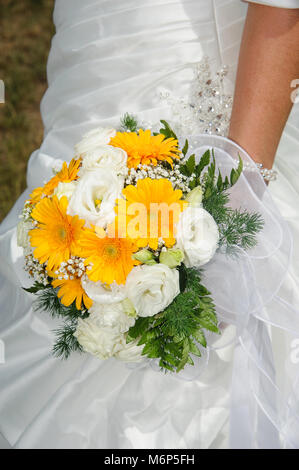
67 174
109 257
154 207
36 195
71 290
57 233
145 148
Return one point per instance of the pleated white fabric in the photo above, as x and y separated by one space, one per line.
108 58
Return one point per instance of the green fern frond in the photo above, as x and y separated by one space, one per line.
129 123
66 342
175 334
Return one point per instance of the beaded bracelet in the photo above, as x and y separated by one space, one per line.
267 174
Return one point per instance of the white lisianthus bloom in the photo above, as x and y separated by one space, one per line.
103 332
129 308
152 288
23 228
94 197
65 189
130 352
93 139
105 156
112 315
101 293
100 341
197 236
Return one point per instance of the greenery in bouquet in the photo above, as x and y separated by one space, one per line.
117 240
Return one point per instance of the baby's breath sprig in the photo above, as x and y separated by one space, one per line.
26 212
36 270
71 269
178 180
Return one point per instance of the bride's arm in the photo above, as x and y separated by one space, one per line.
268 62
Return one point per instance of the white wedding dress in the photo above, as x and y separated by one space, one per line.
109 57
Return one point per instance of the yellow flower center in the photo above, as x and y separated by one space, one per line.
61 233
111 251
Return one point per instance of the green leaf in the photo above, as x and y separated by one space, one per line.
138 329
165 365
190 164
208 310
193 183
185 355
235 174
152 349
188 167
147 336
190 361
167 131
171 360
202 291
204 301
37 286
182 277
171 348
220 182
207 321
200 337
185 148
194 349
177 338
204 161
207 193
182 364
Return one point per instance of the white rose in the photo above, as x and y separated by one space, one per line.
197 236
65 189
94 197
130 352
93 139
112 315
23 228
101 293
105 156
103 332
101 341
152 288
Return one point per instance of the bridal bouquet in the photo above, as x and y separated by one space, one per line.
117 239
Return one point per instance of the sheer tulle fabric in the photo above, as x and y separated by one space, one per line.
247 293
108 58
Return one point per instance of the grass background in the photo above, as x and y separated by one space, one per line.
26 29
